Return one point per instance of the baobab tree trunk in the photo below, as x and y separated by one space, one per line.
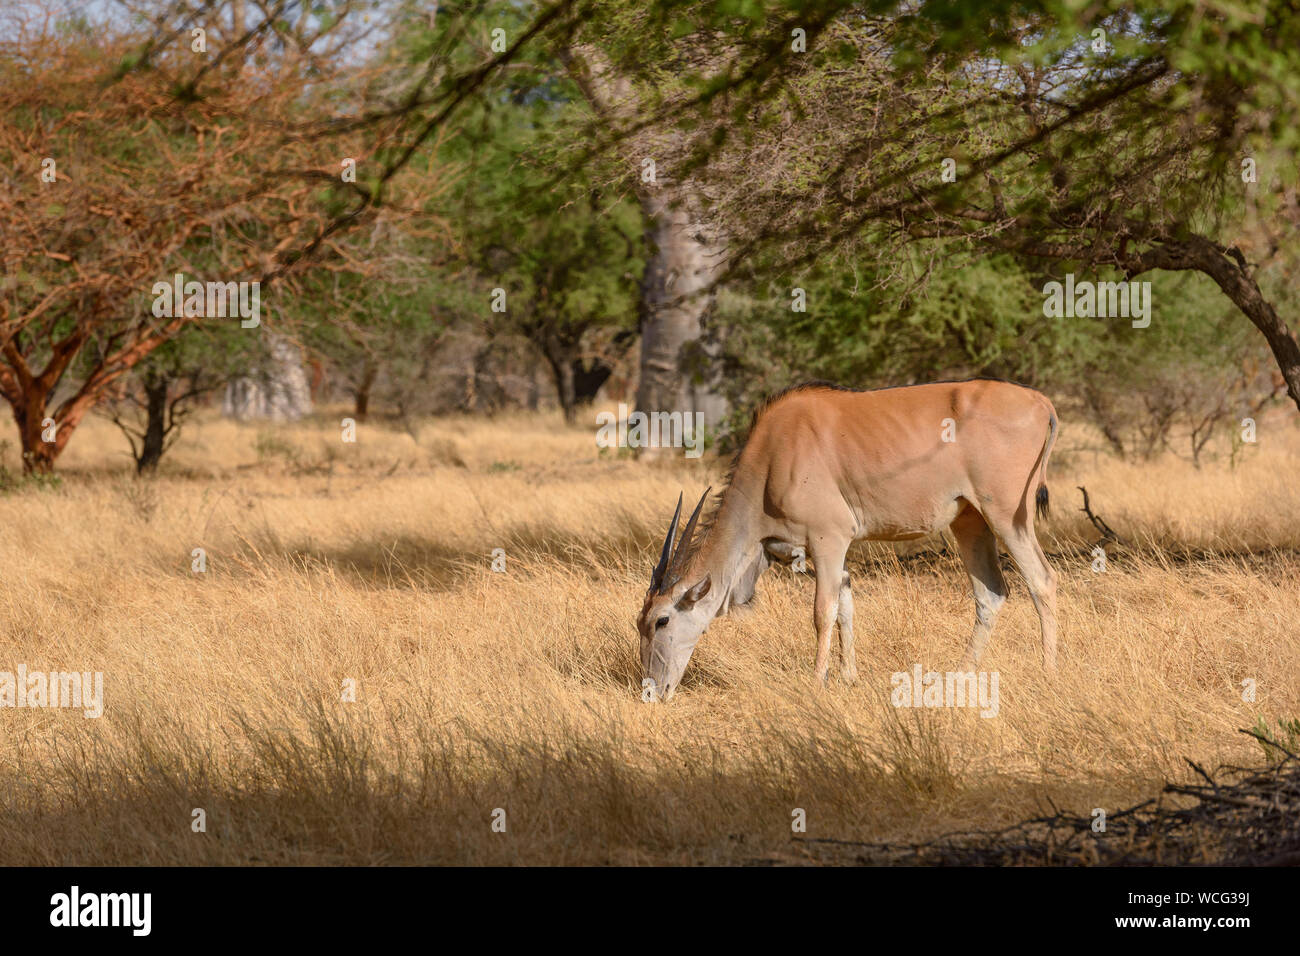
276 390
678 372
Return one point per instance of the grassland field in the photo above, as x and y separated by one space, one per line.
478 690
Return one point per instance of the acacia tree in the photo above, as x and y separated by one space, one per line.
568 258
136 149
150 404
372 330
567 275
1129 156
133 156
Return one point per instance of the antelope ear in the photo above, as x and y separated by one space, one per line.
692 596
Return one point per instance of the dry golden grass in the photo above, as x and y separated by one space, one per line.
517 690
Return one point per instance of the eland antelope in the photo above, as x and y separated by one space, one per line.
825 466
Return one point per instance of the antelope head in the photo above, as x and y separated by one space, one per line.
674 615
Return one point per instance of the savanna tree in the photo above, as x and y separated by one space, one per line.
151 403
1112 139
558 264
226 142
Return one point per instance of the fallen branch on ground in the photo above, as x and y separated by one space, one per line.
1240 817
1107 532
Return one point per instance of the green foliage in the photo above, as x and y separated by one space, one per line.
271 446
15 484
1277 746
821 166
567 253
980 317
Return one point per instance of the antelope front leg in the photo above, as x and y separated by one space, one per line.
828 563
848 661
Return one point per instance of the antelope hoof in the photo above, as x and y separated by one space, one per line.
849 674
648 693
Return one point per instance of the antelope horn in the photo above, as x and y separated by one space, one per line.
657 575
684 543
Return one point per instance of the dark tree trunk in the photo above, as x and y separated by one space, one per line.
1231 273
361 395
1232 276
155 426
587 380
562 362
29 413
564 388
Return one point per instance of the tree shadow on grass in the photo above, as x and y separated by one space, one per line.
566 801
427 563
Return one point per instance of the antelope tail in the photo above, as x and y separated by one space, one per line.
1041 502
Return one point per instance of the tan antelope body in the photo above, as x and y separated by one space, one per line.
825 466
